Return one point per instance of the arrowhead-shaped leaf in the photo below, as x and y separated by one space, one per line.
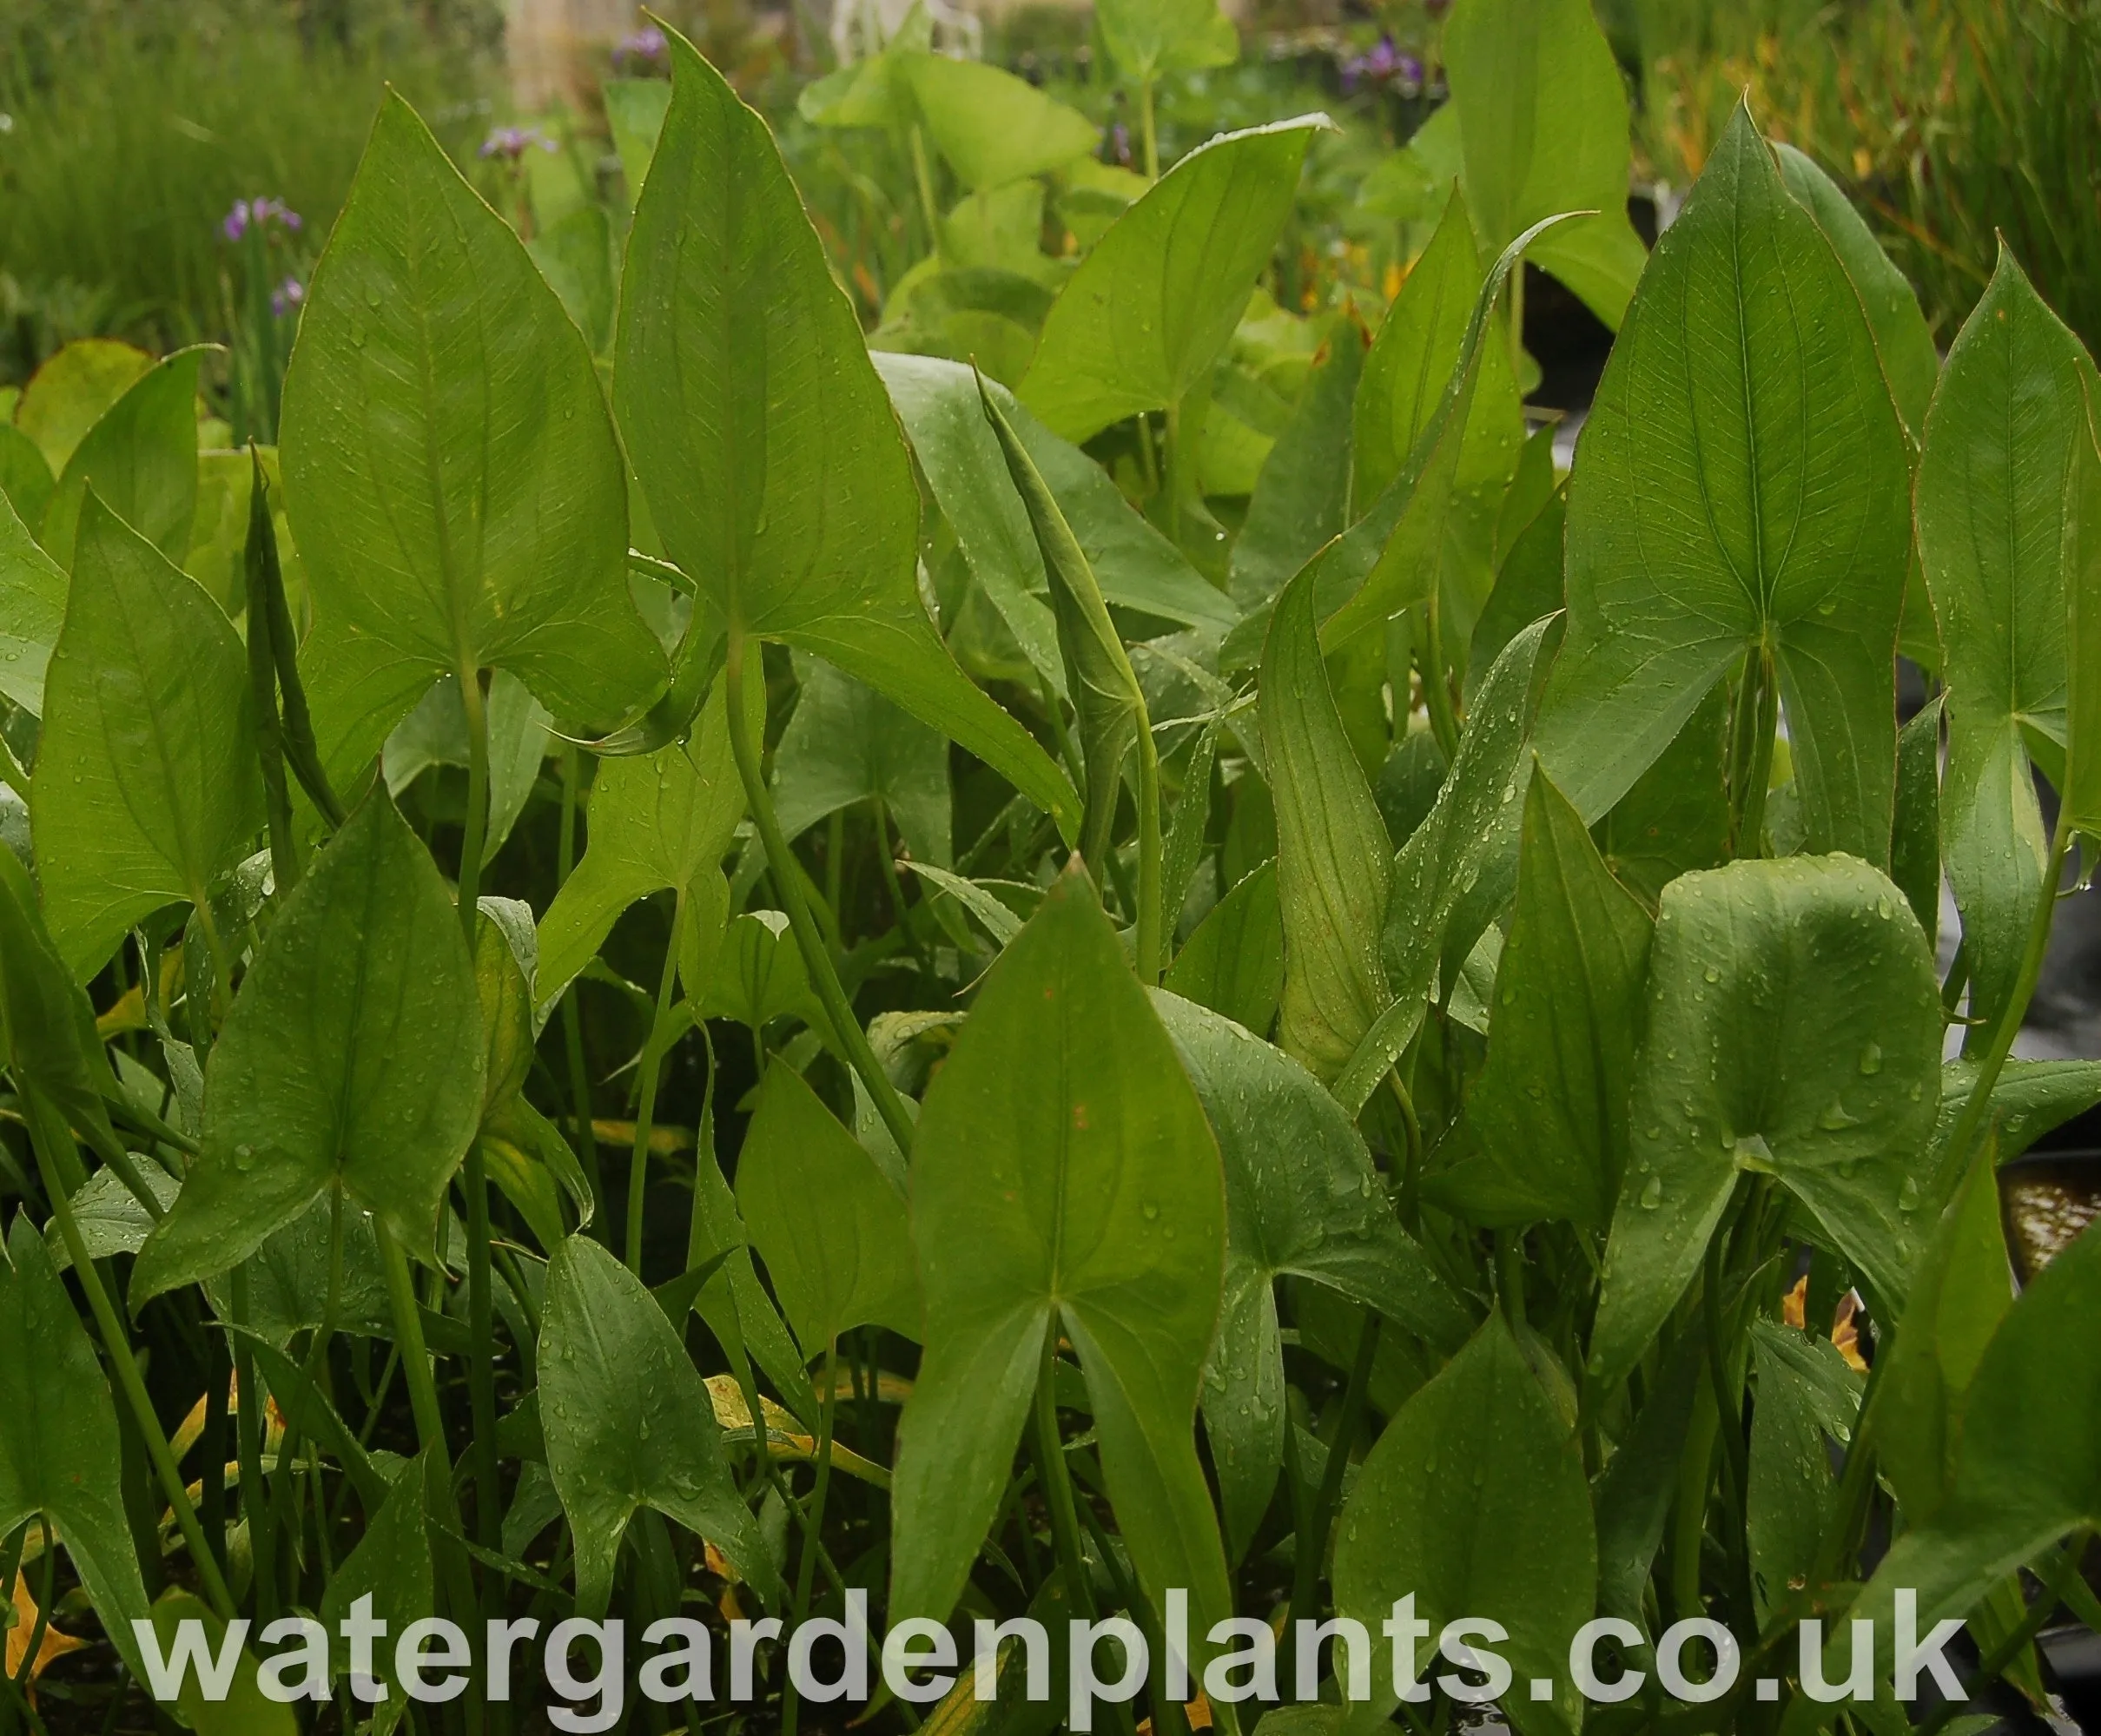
1739 484
761 436
353 1058
993 127
140 457
147 785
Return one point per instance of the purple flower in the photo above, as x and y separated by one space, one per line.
259 213
1120 145
646 44
511 143
286 296
1385 64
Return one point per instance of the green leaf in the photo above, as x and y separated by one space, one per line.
2029 1466
847 743
1805 1394
629 1424
58 1441
141 458
391 1565
1302 497
1302 1198
1149 309
832 1230
1527 588
288 1279
759 974
1148 37
1639 1481
1963 1290
1542 122
1745 490
733 1303
762 437
455 485
656 823
70 394
634 111
1910 362
1108 704
992 127
1234 963
2082 786
576 257
2028 1100
1459 866
1474 1501
32 610
246 1710
353 1058
1551 1106
1675 817
25 480
146 786
1995 504
1914 843
435 733
1334 867
1063 1178
1794 1029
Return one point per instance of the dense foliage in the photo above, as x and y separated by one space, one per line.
1192 969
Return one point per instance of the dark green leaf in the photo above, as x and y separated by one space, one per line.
1233 963
1806 1395
847 743
1302 496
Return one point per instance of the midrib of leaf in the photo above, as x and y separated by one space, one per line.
188 865
464 667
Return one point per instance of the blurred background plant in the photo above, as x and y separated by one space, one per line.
132 132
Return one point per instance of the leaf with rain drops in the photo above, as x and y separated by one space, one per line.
1474 1502
1788 541
1302 1198
1233 961
353 1059
1063 1178
846 743
1806 1395
629 1424
454 482
391 1565
832 1229
1793 1030
146 789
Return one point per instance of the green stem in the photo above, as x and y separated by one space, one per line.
818 961
1751 732
247 1446
573 1013
1148 129
813 1530
895 888
47 1127
1151 913
1517 295
1436 687
1411 1159
476 835
2011 1015
301 750
263 686
922 176
1312 1549
481 1375
646 1106
1055 1477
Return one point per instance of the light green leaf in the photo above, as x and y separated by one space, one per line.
1542 122
762 437
832 1230
1148 37
1551 1106
69 394
1474 1500
760 976
1234 963
656 823
1675 818
111 1219
1963 1290
576 257
1302 497
1995 503
353 1059
140 457
246 1710
58 1442
629 1424
992 127
32 610
1302 1198
1914 842
1149 311
1805 1394
1334 865
634 111
2082 787
1744 489
2028 1100
1108 704
146 786
847 743
1909 360
25 480
733 1303
455 482
1063 1178
435 733
1794 1029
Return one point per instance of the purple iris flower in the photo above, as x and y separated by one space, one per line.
1385 64
645 44
259 213
288 296
511 143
